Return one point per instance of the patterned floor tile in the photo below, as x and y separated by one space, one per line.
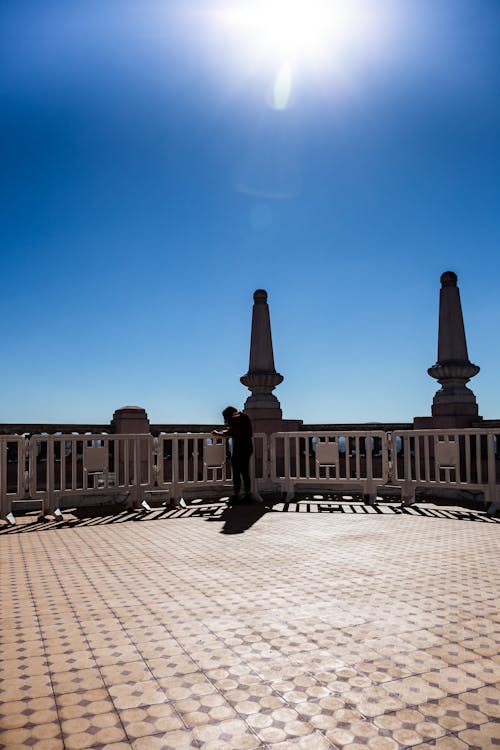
254 698
360 734
485 699
159 718
226 735
278 725
383 670
23 668
416 689
38 735
15 635
409 727
18 714
301 688
486 737
418 662
159 649
327 713
189 685
109 639
173 665
84 703
483 645
315 741
319 660
177 740
273 670
452 653
453 679
125 673
204 709
21 688
147 634
75 660
452 714
92 731
64 644
344 679
374 700
22 650
137 694
76 680
389 645
444 743
484 669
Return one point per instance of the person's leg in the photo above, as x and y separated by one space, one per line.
245 472
235 463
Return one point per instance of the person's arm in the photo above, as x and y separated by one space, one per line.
222 433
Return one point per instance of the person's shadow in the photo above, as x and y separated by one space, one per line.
237 518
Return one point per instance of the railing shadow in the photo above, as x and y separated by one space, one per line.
237 519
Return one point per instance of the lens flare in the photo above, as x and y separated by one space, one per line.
283 86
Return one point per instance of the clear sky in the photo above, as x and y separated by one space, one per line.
162 160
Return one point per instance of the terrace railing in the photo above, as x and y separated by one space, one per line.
188 463
71 466
354 459
56 470
451 459
12 473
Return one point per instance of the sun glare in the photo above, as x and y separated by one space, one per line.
292 37
300 30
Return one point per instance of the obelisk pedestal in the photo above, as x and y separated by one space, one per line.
454 405
130 420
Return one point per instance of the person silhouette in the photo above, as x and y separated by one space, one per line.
239 429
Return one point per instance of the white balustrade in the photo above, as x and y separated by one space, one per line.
198 462
453 459
132 467
12 473
63 466
356 460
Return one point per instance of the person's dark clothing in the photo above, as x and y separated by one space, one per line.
240 430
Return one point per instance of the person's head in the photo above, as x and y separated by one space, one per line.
228 413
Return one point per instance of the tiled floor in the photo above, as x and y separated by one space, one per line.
296 630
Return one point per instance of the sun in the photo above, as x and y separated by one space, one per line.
299 30
293 37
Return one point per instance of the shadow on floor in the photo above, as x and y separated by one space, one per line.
238 518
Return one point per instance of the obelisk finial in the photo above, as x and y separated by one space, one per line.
454 402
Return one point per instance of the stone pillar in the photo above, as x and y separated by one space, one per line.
262 406
131 420
454 405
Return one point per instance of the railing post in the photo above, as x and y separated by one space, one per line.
5 503
370 492
49 504
493 495
409 485
289 484
139 500
391 457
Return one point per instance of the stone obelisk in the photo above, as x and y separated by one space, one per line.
262 406
454 405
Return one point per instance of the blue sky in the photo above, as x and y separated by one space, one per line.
154 174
